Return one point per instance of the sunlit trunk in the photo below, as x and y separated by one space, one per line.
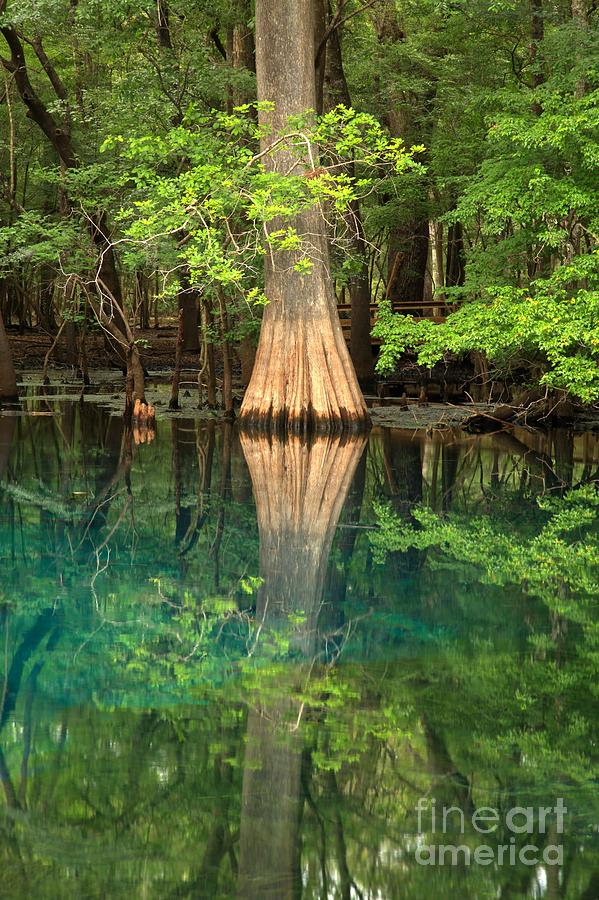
303 379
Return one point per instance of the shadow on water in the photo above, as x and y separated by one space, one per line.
235 667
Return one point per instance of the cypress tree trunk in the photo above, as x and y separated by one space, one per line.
8 378
303 378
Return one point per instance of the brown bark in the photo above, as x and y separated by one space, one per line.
208 366
163 31
408 256
174 401
455 268
246 351
303 379
360 346
188 304
227 354
8 378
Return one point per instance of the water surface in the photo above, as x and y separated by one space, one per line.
231 667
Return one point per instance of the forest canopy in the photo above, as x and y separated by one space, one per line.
450 153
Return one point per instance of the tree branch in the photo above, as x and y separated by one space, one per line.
218 43
58 137
337 21
53 76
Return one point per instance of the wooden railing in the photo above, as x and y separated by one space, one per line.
432 312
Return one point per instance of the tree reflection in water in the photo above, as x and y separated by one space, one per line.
206 697
299 488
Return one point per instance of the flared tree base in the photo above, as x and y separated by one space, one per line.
303 380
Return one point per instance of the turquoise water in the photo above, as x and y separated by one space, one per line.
235 668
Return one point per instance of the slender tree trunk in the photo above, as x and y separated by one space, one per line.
303 378
188 304
8 378
360 346
408 256
174 401
47 317
537 29
455 269
227 352
580 17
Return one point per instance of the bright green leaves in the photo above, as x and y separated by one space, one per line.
560 561
201 195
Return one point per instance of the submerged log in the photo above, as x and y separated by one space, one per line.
533 408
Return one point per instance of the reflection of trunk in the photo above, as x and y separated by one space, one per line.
299 491
7 430
42 626
403 469
272 801
8 379
337 580
563 447
451 459
303 379
452 786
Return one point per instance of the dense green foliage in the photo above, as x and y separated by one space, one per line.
158 105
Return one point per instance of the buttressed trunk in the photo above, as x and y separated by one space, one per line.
300 489
8 378
303 379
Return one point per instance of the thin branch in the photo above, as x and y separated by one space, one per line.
338 20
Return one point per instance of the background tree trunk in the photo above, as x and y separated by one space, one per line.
303 378
360 346
8 378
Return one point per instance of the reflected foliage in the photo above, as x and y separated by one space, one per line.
233 670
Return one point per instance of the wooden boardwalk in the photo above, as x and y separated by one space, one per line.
431 312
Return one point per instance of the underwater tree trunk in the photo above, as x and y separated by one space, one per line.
303 378
8 378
